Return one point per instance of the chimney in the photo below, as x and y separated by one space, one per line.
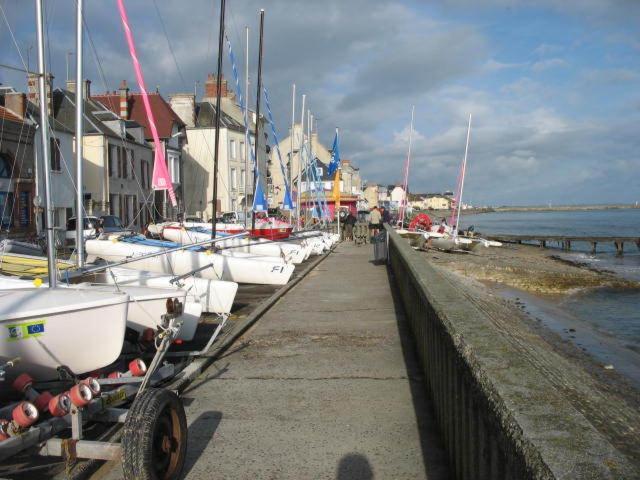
16 102
32 84
211 85
86 91
124 100
184 104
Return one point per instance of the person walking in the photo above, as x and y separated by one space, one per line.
349 222
375 221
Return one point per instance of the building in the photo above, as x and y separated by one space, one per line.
21 170
235 172
118 162
350 181
17 165
437 202
397 196
129 106
371 193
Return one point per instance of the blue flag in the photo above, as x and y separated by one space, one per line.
335 156
287 204
259 200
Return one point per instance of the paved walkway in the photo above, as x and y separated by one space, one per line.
325 386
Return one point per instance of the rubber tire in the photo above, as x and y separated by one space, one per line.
148 413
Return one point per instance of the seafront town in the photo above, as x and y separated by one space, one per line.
290 241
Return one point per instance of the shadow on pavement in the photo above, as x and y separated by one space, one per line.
354 466
201 432
433 453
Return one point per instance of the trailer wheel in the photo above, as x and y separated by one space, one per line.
154 441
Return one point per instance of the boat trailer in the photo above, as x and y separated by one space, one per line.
154 425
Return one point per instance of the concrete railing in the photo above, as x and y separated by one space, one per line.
499 417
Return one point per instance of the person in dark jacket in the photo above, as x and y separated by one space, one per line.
349 222
386 216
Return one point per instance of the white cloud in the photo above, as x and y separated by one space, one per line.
546 64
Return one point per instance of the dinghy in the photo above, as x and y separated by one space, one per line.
50 327
256 246
202 263
147 304
215 296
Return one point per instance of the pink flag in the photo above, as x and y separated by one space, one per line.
161 179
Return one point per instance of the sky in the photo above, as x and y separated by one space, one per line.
552 87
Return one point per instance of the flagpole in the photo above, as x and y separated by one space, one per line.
257 136
214 202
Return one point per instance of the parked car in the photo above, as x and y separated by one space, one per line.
93 226
111 223
89 229
233 217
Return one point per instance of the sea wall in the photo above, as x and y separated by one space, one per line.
499 417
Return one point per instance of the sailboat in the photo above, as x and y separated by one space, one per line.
47 328
446 237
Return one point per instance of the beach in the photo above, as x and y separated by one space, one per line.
522 288
531 287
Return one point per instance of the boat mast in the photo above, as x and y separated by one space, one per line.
293 123
464 171
406 170
257 129
299 199
46 153
214 202
247 136
79 139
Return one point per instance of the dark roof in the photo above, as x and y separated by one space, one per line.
206 118
163 114
95 114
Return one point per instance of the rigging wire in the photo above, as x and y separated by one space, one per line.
173 55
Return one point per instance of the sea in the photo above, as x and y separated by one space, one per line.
604 322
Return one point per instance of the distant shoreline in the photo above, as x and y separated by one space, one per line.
535 208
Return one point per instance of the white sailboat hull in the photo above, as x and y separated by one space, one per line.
215 296
214 266
289 252
47 328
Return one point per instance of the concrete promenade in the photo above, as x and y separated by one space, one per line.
325 386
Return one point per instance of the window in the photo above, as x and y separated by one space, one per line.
112 158
5 166
174 168
114 204
143 178
242 175
6 209
232 147
54 146
234 179
243 155
123 162
130 162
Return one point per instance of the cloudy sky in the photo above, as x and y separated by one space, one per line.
553 87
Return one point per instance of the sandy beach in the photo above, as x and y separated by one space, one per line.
520 287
